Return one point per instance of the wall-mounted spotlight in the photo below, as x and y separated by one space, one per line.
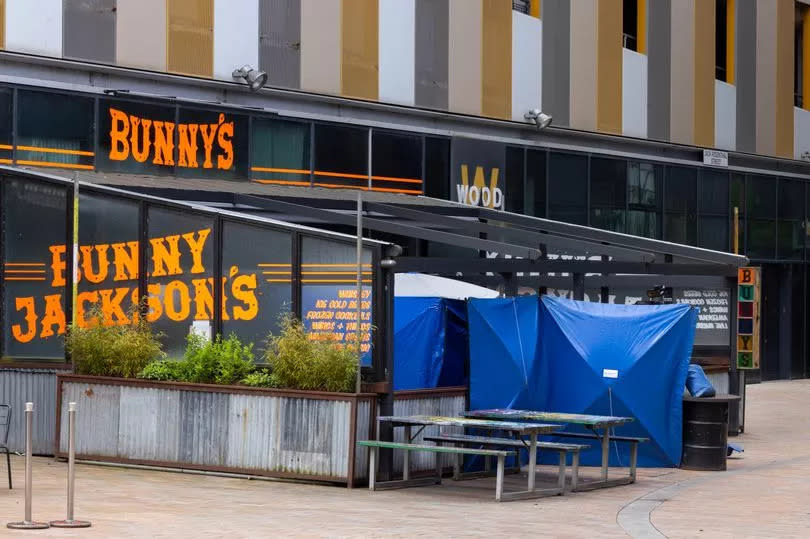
540 119
254 78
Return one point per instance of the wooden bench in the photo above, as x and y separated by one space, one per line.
562 449
633 441
375 445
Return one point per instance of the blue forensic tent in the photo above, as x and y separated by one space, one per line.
430 342
560 355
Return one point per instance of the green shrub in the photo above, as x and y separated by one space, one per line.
299 362
163 369
225 361
261 378
112 350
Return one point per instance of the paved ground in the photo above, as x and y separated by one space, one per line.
764 494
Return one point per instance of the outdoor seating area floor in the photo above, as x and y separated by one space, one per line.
763 494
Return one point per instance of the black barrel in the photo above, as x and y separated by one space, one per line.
705 432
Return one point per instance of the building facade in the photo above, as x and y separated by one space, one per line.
680 120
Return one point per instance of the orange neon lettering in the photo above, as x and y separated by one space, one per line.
196 247
54 316
111 306
119 129
225 140
165 261
188 145
155 308
125 258
27 305
87 262
203 298
83 298
164 143
208 133
176 301
58 264
140 151
243 289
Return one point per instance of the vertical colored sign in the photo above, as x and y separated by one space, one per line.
748 283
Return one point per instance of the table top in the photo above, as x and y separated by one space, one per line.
444 421
506 414
720 397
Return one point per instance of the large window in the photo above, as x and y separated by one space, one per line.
437 167
713 210
341 156
180 260
737 192
54 130
396 163
568 188
257 268
536 182
108 259
644 199
136 137
280 152
329 292
608 193
33 289
6 123
680 205
791 219
516 202
761 216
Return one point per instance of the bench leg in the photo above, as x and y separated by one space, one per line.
633 459
574 470
532 459
438 465
487 464
458 461
406 458
372 467
561 475
605 454
499 479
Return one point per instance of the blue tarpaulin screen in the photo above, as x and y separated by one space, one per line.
558 355
430 342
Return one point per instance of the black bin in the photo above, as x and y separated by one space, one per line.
705 432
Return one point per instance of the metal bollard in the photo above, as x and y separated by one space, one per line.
69 522
28 524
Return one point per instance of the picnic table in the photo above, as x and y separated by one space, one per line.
519 429
594 423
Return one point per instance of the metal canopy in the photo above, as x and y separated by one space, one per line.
513 245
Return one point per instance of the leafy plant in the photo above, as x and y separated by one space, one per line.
113 350
164 369
300 362
262 378
225 361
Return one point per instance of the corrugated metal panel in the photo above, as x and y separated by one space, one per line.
28 385
97 414
244 432
191 37
280 41
203 427
89 30
149 426
363 433
445 406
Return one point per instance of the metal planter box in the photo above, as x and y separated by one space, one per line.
277 433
